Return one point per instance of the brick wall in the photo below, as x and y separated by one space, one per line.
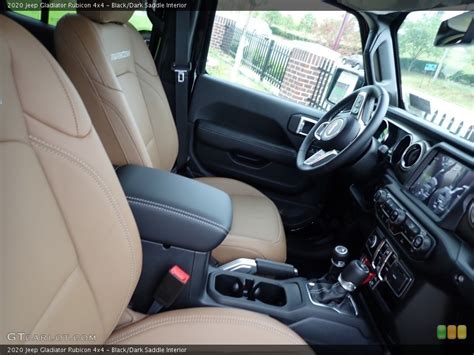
301 76
221 32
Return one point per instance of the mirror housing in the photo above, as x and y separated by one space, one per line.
456 30
343 83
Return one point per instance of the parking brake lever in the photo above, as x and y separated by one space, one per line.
275 269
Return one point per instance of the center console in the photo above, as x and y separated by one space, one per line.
321 311
181 221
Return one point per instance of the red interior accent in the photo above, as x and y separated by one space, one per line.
179 274
372 274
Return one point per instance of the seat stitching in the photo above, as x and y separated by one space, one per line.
202 319
67 95
125 72
60 82
146 70
174 210
96 304
105 189
152 87
97 36
149 115
54 297
94 88
124 122
67 227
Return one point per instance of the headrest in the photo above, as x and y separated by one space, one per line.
105 16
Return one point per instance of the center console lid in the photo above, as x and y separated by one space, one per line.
174 210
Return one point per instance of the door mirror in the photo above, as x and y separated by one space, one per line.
343 83
456 30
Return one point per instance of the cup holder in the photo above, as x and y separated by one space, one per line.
265 292
229 286
270 294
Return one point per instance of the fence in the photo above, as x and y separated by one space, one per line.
326 71
262 55
454 124
299 74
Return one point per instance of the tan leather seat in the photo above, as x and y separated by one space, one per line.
70 253
113 70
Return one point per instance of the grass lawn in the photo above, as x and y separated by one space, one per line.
456 93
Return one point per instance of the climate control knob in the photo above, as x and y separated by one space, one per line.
372 241
380 196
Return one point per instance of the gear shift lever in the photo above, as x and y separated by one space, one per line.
353 275
335 294
339 259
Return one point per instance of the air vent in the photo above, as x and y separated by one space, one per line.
412 155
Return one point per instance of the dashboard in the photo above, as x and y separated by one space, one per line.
438 178
422 248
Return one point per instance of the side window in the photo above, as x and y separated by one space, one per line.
290 54
32 8
437 82
141 22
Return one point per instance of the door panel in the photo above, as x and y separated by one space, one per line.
250 136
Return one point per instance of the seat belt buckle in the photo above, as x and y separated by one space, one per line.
170 287
182 71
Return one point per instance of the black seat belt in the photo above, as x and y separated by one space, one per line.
182 67
156 32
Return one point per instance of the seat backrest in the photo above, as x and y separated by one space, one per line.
70 253
114 72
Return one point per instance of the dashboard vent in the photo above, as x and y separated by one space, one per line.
412 155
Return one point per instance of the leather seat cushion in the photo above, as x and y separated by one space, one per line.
257 230
201 326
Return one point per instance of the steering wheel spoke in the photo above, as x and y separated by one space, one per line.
321 156
319 131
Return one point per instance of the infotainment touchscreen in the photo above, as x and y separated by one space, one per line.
442 183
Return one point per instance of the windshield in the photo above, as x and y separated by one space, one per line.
437 83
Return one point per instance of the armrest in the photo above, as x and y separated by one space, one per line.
174 210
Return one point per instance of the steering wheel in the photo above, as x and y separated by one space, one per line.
343 133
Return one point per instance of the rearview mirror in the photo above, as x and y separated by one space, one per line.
343 83
456 30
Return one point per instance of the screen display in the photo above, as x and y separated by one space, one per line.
442 183
344 86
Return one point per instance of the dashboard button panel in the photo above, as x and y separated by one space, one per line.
387 266
405 229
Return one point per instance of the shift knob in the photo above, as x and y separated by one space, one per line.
353 275
340 256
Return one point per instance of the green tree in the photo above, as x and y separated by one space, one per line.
275 18
307 23
416 37
324 32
